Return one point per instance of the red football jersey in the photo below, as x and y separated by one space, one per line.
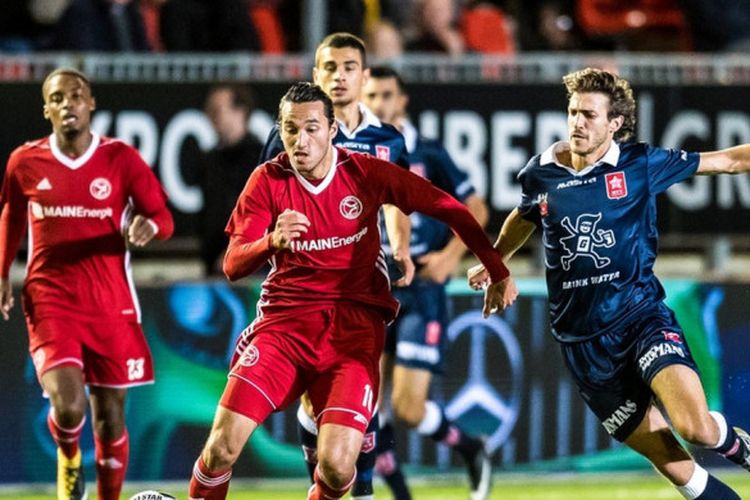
77 211
340 257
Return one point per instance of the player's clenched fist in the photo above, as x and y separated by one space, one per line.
290 225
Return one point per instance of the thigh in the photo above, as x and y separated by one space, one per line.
661 343
411 385
54 343
420 333
264 379
609 383
345 389
680 391
116 355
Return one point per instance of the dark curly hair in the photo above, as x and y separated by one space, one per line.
308 92
621 100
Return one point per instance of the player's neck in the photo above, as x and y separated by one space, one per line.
349 115
74 146
581 161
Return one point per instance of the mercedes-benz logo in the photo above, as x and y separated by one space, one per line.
477 391
350 207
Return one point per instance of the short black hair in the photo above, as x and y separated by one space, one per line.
66 71
308 92
342 40
383 72
242 96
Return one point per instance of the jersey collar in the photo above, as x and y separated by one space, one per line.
549 157
368 119
409 131
73 163
317 189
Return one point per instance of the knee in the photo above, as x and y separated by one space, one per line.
220 453
697 429
69 408
337 469
408 409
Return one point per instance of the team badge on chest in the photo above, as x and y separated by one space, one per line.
617 187
383 152
100 188
350 207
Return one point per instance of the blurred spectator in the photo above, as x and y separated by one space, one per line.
435 28
486 28
226 168
649 25
384 41
727 29
550 25
100 26
207 25
151 14
25 25
265 16
346 16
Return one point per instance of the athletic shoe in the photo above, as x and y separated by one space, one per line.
742 457
71 484
480 473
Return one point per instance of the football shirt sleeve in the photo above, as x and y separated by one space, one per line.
410 193
669 166
249 228
450 178
528 207
13 203
148 195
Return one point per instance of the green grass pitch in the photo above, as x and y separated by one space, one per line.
643 486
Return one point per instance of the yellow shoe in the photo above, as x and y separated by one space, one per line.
70 482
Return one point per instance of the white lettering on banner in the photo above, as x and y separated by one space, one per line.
732 128
615 421
139 129
327 243
508 160
683 125
465 139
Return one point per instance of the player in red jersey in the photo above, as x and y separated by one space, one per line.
313 212
82 197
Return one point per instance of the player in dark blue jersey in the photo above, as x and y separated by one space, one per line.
341 71
415 341
594 200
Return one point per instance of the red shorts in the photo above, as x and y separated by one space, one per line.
332 352
110 353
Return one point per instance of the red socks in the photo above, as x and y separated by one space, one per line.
111 464
208 485
66 439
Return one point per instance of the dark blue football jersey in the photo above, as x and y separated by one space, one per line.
599 233
372 136
429 159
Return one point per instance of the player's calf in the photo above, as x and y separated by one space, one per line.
387 464
307 433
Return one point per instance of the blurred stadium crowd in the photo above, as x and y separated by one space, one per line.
391 27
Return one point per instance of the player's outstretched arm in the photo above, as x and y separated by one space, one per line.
499 296
515 232
6 298
735 160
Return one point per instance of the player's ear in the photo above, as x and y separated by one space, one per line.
616 123
365 76
92 106
315 76
45 111
333 129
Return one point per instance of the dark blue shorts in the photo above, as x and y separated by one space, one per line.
614 370
417 337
